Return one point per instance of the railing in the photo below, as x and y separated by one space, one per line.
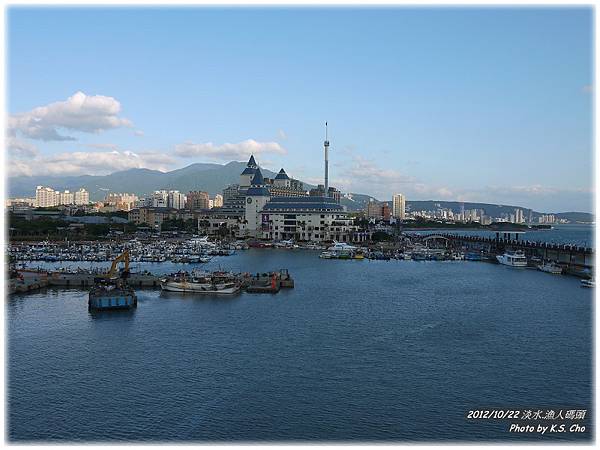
527 244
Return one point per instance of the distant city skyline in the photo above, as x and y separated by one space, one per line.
468 104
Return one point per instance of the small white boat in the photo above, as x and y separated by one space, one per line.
550 267
341 246
326 255
588 283
513 259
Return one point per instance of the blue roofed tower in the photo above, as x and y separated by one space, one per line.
257 196
282 179
248 174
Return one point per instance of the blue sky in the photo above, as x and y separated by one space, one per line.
488 104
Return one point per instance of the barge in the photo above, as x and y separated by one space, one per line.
102 298
112 291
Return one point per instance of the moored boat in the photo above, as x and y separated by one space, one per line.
550 267
215 283
513 259
200 288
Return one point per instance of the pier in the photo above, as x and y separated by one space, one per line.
29 280
574 259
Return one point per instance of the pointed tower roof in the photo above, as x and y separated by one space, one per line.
258 179
249 171
257 187
282 175
252 162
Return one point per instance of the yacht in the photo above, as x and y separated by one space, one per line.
550 267
341 246
513 259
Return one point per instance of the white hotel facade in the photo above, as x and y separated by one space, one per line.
299 217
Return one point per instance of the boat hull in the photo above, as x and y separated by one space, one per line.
505 262
550 269
199 288
111 301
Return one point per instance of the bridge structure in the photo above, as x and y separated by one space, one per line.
575 259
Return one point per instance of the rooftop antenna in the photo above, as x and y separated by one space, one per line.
326 144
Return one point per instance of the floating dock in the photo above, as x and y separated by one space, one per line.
118 298
269 283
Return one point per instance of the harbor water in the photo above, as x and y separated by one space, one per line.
357 351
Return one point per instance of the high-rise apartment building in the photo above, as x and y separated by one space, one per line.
67 198
46 197
399 206
197 200
175 200
82 197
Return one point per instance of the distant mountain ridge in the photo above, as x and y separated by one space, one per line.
208 177
212 178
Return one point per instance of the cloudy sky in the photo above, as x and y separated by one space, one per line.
491 105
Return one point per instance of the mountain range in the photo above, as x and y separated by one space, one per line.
212 178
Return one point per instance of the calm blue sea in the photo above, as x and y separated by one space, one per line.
581 235
358 351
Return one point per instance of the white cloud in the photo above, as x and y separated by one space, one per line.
80 112
433 192
90 163
18 168
227 152
103 146
21 148
365 176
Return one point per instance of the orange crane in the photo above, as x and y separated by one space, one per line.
123 257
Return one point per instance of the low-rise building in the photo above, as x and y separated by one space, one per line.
151 216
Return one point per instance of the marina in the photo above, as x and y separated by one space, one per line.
37 265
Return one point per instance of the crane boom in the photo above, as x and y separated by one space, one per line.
122 257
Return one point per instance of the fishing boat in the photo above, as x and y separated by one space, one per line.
200 288
550 267
472 256
513 259
215 283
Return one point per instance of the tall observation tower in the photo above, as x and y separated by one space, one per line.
326 145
